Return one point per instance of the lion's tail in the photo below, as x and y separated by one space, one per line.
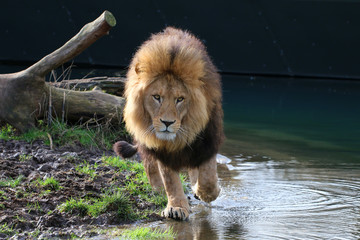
124 149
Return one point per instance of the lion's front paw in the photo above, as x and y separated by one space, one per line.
176 213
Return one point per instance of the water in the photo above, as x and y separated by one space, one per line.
295 169
265 199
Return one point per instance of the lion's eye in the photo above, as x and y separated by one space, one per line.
180 99
157 97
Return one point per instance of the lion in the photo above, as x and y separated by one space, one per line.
174 112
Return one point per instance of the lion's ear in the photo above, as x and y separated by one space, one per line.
137 69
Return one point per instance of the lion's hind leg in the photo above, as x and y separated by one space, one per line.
204 181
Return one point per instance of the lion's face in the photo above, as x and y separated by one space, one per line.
166 101
171 91
163 112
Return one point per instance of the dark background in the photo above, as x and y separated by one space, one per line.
291 38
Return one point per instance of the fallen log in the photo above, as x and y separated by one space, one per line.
25 96
111 85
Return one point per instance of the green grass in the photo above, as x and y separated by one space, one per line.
24 157
123 165
88 169
72 206
148 233
137 182
3 195
50 184
90 134
116 201
7 230
136 189
33 206
7 132
35 234
9 182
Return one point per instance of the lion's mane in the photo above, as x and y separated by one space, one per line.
181 54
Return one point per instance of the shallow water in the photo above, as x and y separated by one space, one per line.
295 169
266 199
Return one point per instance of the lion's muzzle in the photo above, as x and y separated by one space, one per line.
166 130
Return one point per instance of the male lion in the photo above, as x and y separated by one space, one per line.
173 111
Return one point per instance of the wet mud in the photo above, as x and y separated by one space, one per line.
30 211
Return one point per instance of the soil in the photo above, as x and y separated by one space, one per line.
29 212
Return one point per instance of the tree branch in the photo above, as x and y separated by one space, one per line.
25 97
86 36
112 85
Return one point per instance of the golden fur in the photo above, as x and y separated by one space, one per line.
173 111
179 58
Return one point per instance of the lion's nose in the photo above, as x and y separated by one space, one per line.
167 123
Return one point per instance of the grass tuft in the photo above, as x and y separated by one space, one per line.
148 233
7 132
7 230
74 206
116 201
50 184
90 134
87 169
9 182
137 182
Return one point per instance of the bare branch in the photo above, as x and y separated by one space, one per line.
87 36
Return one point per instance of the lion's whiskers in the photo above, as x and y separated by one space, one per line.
148 131
183 135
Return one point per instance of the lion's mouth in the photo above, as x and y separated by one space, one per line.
165 135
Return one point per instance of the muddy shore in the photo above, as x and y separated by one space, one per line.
30 211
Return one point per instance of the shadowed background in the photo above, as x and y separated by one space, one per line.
292 38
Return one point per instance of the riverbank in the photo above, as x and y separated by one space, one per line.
70 191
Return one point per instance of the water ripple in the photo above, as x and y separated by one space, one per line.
275 200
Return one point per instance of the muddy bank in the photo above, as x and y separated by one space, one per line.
29 209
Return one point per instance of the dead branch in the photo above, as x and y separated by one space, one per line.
25 97
112 85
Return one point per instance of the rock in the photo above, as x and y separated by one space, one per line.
44 168
4 236
33 176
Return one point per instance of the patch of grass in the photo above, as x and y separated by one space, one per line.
74 206
35 233
20 193
32 135
7 230
90 134
9 182
88 169
45 193
121 164
116 201
184 182
7 132
148 233
24 157
50 184
137 189
33 206
3 195
137 182
119 202
64 134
